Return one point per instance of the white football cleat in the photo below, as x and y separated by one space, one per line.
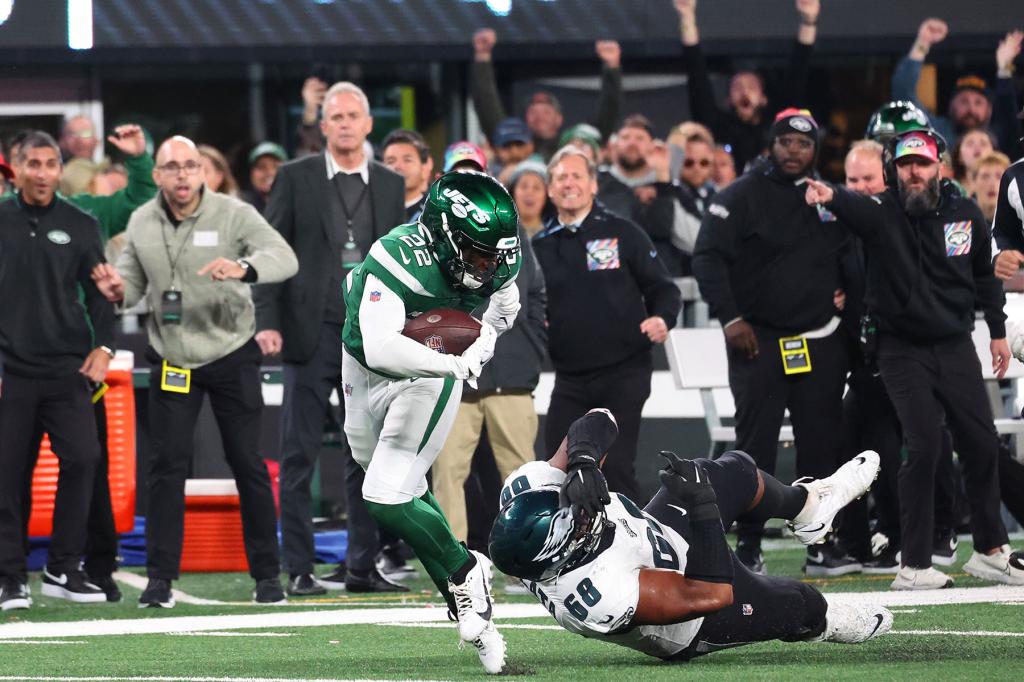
996 567
920 579
473 599
490 646
826 496
855 623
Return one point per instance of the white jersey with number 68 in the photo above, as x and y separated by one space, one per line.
599 598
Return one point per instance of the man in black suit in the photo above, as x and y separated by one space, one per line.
330 208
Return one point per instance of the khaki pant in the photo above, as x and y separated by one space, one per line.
511 428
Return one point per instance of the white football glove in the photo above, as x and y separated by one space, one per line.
470 364
503 307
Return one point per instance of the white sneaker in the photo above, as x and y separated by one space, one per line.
473 599
490 646
996 567
826 496
855 623
920 579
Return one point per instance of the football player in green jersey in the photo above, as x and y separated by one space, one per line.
401 397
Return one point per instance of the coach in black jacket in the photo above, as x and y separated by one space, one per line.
52 349
609 299
769 265
929 268
330 208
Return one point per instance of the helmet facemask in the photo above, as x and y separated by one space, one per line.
571 539
469 264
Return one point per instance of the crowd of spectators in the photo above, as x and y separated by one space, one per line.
613 209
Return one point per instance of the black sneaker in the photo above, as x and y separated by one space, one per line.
335 580
157 595
392 564
944 547
885 562
751 557
305 585
73 586
13 595
109 587
829 560
268 591
371 581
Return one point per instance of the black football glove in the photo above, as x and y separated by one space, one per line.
689 484
584 488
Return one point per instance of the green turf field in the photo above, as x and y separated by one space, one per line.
57 640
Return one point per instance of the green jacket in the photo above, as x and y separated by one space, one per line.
112 212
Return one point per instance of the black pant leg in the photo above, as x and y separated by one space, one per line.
172 425
101 540
760 391
910 375
31 459
962 393
764 608
66 412
884 435
237 401
623 392
18 407
570 400
307 391
363 534
816 407
948 497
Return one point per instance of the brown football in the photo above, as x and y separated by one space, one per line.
445 330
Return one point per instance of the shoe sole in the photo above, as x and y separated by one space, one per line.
332 586
12 604
916 588
818 571
59 592
307 593
157 605
826 525
279 602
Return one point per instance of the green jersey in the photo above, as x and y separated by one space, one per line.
403 261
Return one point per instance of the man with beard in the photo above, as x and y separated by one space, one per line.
638 186
769 267
929 268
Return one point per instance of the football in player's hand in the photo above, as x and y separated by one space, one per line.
445 330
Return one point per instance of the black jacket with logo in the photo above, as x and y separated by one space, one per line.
764 255
927 274
46 256
603 279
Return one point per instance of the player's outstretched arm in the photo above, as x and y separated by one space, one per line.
668 596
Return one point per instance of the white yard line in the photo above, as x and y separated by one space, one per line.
21 678
228 634
41 641
286 618
958 633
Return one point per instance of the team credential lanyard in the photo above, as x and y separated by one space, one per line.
171 299
351 254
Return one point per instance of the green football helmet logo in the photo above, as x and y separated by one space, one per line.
895 118
473 225
535 539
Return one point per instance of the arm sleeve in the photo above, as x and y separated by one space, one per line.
486 101
280 214
537 305
904 80
131 271
661 295
101 311
1008 222
114 211
716 249
1005 123
592 435
658 217
264 248
702 95
991 298
609 102
864 215
385 349
308 140
795 85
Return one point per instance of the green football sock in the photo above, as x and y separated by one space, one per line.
425 529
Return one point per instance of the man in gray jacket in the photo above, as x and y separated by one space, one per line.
193 253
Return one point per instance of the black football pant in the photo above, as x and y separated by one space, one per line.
236 396
762 392
63 406
304 408
922 381
764 608
623 390
101 533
